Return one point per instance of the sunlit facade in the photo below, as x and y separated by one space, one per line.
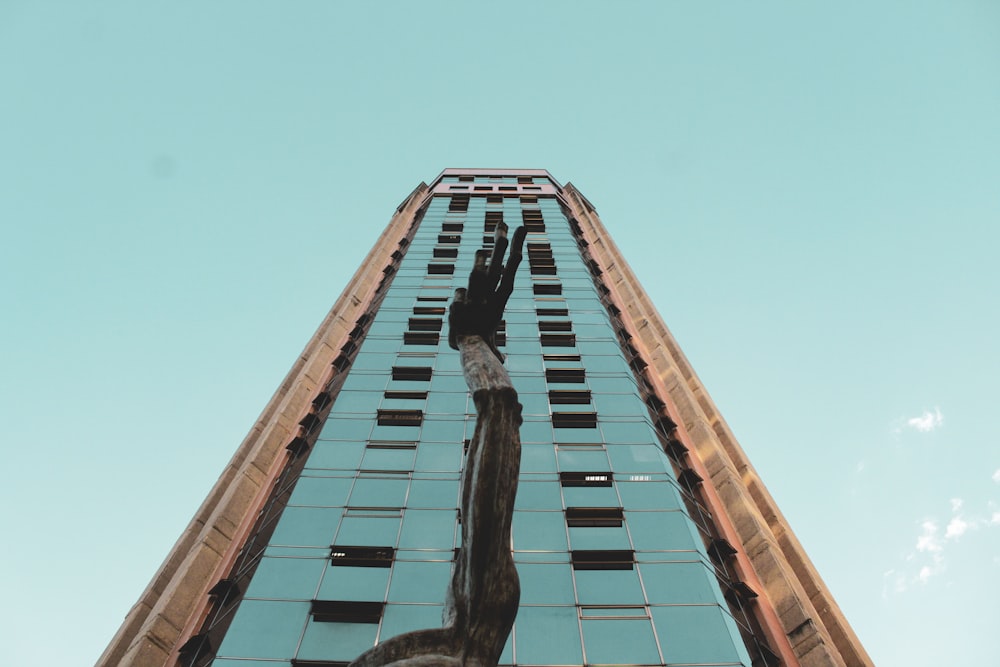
627 547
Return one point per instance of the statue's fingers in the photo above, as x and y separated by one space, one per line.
499 248
455 315
517 244
479 278
506 287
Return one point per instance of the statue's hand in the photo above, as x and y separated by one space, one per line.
478 310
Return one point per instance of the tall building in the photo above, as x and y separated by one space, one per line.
641 533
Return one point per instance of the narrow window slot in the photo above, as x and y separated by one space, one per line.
339 611
412 373
594 517
603 559
400 417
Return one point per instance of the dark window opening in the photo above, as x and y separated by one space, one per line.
721 550
412 373
569 397
298 446
421 338
675 449
552 312
453 239
195 648
417 395
555 325
689 478
594 517
492 219
558 340
585 478
446 253
547 288
561 357
574 419
565 375
391 444
432 298
309 422
538 269
337 611
428 310
609 559
342 556
322 400
440 269
452 227
466 179
533 221
425 323
400 417
459 203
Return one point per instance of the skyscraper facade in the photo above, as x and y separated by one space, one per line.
641 533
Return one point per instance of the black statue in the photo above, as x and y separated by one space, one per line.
483 596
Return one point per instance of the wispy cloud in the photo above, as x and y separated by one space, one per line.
926 422
996 476
929 540
956 528
927 559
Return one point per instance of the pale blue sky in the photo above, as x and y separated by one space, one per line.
810 193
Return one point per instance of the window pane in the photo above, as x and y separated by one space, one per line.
321 491
265 629
539 531
697 634
434 493
546 583
361 530
533 632
680 583
608 587
419 582
620 641
400 618
287 578
336 641
306 526
660 531
428 529
354 583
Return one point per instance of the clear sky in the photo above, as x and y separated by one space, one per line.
810 193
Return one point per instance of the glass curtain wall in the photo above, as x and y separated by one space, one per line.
613 569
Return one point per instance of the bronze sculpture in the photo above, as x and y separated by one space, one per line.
484 592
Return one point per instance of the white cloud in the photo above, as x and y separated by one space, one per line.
926 422
996 476
956 504
929 541
956 528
